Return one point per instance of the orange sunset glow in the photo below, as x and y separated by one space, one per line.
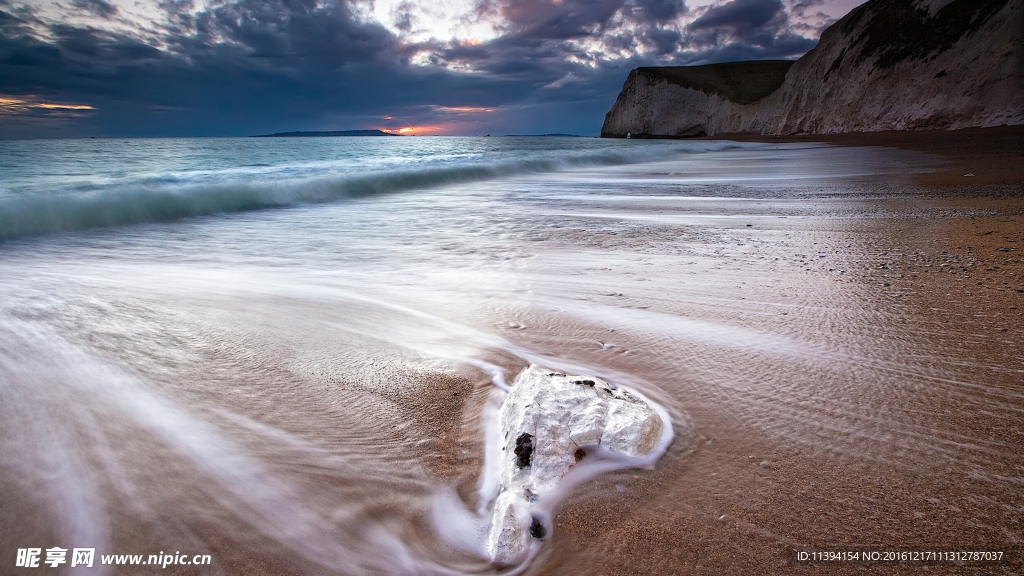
11 104
465 109
413 130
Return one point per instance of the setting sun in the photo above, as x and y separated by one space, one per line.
465 109
412 129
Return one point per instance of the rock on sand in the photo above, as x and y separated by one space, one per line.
552 423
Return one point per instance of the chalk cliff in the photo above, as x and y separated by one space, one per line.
681 101
887 65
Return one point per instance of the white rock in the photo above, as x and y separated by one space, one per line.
555 420
509 535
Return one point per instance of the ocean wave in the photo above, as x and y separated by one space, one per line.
165 199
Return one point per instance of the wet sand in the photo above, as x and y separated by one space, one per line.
909 438
993 156
745 499
841 357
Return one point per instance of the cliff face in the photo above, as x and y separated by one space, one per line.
888 65
712 97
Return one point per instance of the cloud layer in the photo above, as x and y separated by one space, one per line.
237 67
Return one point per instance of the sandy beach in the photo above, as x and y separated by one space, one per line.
464 288
909 439
834 330
992 155
900 431
866 456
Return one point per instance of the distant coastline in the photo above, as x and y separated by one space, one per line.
383 133
326 134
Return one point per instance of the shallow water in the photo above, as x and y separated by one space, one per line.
282 352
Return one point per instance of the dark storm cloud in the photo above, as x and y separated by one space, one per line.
252 66
773 48
96 7
541 45
179 16
800 7
276 67
402 17
99 47
289 34
659 10
16 20
808 22
739 14
665 41
538 20
746 30
542 19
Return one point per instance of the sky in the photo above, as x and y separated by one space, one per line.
164 68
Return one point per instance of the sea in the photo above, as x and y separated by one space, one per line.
285 353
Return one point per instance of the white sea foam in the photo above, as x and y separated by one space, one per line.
272 377
45 206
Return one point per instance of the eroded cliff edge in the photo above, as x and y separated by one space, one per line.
887 65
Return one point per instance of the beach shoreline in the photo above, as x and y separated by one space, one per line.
291 390
936 258
994 156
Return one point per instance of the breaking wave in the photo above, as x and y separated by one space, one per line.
167 198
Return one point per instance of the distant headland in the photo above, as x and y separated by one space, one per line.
887 65
326 134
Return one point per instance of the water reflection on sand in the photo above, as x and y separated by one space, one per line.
291 390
